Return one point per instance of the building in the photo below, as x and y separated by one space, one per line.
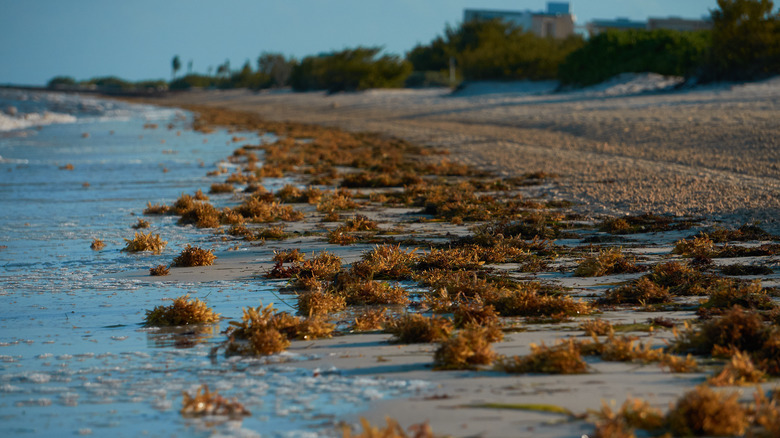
522 19
556 22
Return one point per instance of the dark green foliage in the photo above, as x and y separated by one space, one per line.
350 70
246 78
434 56
745 41
109 82
494 50
276 67
152 84
742 45
273 71
420 79
113 83
61 81
195 81
666 52
520 56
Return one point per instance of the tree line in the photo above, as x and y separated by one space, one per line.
743 44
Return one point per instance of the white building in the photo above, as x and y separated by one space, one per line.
556 22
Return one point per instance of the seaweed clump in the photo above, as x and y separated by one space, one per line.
597 327
194 256
744 233
388 262
182 311
634 413
736 330
145 242
207 403
359 223
359 292
562 358
646 223
529 299
319 303
702 248
156 209
704 412
141 224
415 328
263 331
681 279
607 262
392 430
726 295
310 274
739 371
467 349
159 271
373 319
699 412
642 291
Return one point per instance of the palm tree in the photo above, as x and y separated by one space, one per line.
224 69
175 65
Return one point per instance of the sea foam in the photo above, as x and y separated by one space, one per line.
23 121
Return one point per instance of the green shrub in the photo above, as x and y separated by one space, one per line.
350 70
109 83
661 51
61 81
745 37
195 81
493 50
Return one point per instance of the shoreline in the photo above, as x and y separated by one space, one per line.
484 402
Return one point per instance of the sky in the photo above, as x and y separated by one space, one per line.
137 39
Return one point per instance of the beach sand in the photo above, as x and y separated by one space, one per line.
711 151
706 151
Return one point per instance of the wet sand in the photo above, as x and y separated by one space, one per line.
466 403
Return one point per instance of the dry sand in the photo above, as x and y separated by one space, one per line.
710 151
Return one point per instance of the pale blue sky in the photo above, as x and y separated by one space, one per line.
136 39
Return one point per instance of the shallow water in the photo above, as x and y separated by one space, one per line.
74 358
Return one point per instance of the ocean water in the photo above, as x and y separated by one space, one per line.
74 357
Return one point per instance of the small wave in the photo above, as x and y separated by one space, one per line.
23 121
20 109
13 160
